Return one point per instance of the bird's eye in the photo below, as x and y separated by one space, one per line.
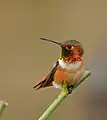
69 46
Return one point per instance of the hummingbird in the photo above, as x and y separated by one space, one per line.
68 69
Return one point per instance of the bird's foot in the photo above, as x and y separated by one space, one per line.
70 88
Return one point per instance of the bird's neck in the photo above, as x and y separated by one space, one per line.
72 63
71 59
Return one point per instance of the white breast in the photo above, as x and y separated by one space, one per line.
68 66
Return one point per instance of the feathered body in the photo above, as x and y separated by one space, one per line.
68 69
68 72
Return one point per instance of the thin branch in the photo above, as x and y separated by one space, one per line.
3 104
64 93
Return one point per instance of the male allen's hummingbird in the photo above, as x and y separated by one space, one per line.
68 69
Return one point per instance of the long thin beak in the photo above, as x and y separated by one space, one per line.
51 41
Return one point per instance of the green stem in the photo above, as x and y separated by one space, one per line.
64 93
2 106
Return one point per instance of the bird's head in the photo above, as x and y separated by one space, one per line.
71 50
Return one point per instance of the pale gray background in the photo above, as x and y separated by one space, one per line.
24 58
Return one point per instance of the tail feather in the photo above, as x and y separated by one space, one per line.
42 85
39 85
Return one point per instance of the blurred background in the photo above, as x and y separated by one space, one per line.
24 58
